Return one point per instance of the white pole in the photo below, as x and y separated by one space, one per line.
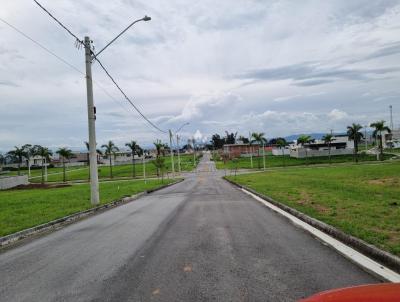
365 137
179 155
194 153
45 169
251 152
94 179
263 155
144 169
29 167
172 154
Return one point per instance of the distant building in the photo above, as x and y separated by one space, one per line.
391 140
243 150
341 145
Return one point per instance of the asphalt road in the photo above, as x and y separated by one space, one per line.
200 240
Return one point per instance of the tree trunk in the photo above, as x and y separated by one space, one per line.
380 147
329 151
42 171
283 157
356 150
19 168
111 174
64 176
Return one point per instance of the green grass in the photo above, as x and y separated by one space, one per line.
21 209
393 150
123 171
280 161
362 200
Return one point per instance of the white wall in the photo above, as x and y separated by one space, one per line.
301 152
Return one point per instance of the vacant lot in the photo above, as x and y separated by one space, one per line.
122 171
362 200
21 209
281 161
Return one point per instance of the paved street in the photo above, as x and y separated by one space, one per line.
200 240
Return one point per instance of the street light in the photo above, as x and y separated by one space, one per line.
177 143
89 57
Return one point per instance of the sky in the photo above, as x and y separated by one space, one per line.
278 67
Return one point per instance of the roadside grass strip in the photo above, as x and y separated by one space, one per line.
23 209
360 200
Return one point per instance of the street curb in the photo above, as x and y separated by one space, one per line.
7 240
383 257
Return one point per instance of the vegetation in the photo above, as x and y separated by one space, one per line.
361 200
135 149
281 143
21 209
18 154
354 134
328 139
259 139
65 154
379 128
302 140
45 154
110 149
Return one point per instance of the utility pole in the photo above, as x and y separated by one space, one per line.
144 167
365 137
179 156
172 154
251 152
94 179
391 117
194 152
263 145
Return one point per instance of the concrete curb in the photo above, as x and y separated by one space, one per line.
60 222
383 257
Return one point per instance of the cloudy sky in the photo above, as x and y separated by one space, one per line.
280 67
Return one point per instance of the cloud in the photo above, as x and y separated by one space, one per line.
336 114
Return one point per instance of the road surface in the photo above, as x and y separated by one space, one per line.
199 240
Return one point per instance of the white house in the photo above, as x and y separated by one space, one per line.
341 145
391 140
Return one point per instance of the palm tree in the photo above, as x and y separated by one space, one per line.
281 143
379 128
29 152
66 154
134 147
18 154
354 134
44 153
98 151
159 162
304 139
328 139
110 149
260 140
159 146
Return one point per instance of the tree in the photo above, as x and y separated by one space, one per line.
244 139
216 141
328 139
135 149
379 128
159 145
98 151
230 137
281 143
44 153
110 149
302 140
159 162
17 154
354 134
65 154
260 140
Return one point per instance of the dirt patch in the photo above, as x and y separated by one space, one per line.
40 186
389 181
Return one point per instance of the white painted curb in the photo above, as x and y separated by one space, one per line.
365 262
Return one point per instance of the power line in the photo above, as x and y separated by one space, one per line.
127 98
102 66
61 60
59 22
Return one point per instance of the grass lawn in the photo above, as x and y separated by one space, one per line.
361 200
21 209
280 161
82 173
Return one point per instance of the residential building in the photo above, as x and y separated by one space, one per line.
341 145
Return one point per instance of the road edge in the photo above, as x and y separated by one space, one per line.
9 240
382 257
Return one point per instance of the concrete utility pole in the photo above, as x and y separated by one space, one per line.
391 117
94 179
251 152
172 154
194 152
179 155
144 168
263 155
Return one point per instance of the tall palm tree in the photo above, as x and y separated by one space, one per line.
304 139
65 154
2 160
98 151
379 128
110 149
134 147
29 152
258 138
328 139
18 154
281 143
45 154
354 134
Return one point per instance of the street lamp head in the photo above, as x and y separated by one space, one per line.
146 18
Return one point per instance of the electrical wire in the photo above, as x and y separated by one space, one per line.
59 22
127 98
